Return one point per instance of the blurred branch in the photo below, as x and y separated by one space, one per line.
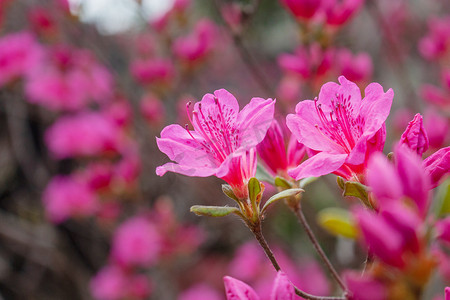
243 51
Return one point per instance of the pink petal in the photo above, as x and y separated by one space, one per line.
318 165
383 180
443 229
415 180
282 288
254 120
191 156
415 136
302 126
237 290
347 89
437 165
375 108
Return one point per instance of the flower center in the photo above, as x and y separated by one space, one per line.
339 125
217 128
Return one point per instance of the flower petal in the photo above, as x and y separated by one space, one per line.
303 127
437 165
347 89
254 120
282 288
375 108
318 165
192 157
237 290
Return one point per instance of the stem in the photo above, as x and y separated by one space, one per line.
298 212
257 232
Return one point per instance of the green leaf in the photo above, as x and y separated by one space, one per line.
356 189
281 195
443 198
338 222
340 182
282 183
306 181
228 190
263 175
214 211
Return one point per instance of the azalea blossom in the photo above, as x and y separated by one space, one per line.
341 127
223 140
282 289
302 9
415 136
274 154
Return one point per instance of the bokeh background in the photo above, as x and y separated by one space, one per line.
87 85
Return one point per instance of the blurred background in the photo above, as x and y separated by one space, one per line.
87 85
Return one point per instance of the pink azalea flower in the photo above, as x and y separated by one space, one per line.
289 89
148 71
382 240
223 140
136 243
447 293
339 12
198 44
68 196
302 9
343 128
408 179
19 54
415 137
237 290
437 166
272 151
199 292
85 134
364 287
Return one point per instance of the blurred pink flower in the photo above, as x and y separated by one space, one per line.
289 89
119 112
302 9
68 196
339 12
443 229
19 54
199 292
342 127
136 243
357 68
438 96
407 179
364 287
42 22
68 79
109 284
435 44
148 71
308 62
152 109
401 119
272 151
232 15
222 142
415 137
113 283
437 128
198 44
84 134
237 290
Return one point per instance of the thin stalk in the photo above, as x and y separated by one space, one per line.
257 232
301 217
